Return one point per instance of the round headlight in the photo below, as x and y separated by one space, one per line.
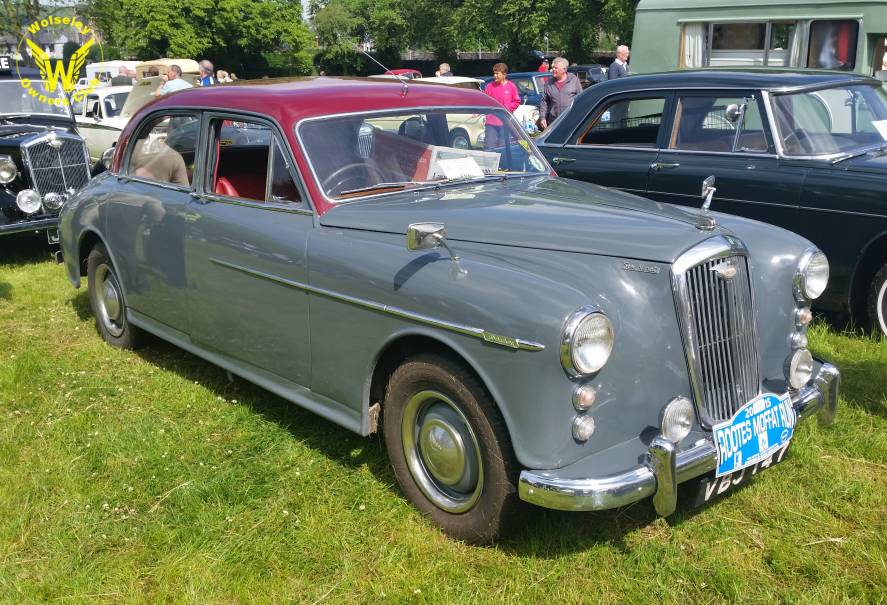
677 419
28 201
799 368
8 170
587 342
812 276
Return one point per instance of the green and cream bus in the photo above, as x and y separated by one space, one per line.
844 35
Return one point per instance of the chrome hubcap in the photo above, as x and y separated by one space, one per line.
109 301
882 308
442 451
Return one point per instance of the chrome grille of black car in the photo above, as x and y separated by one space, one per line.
716 299
57 163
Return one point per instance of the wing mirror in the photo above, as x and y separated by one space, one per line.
428 236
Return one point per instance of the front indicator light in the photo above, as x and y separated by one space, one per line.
583 397
677 419
583 428
799 368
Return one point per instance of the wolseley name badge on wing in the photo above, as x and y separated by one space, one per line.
760 427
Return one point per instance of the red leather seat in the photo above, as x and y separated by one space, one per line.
224 187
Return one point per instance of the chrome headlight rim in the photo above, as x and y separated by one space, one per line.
8 170
802 279
573 323
25 196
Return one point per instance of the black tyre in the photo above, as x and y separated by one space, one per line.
877 301
449 448
106 300
459 139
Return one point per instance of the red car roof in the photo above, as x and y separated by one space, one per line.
290 100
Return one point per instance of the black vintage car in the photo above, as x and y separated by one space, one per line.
805 151
42 158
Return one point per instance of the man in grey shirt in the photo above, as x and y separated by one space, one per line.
558 92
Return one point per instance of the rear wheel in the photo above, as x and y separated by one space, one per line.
449 448
106 300
459 139
877 301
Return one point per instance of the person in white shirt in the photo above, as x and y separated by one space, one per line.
171 82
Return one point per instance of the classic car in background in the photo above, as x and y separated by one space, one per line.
100 118
529 85
42 158
588 74
805 151
514 335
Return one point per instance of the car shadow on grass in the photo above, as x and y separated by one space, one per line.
539 532
24 249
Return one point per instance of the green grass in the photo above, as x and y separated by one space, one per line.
150 478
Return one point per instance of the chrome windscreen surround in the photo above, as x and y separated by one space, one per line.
714 300
57 162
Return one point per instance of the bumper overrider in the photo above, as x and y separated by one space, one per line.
665 467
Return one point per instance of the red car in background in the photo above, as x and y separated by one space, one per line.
410 74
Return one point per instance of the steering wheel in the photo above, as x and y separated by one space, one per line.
356 171
797 135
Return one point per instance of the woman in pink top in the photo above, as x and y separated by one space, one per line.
504 91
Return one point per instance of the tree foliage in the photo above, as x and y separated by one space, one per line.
234 34
516 27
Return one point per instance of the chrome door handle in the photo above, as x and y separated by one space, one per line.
558 160
663 165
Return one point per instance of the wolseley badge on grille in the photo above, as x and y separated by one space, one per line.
759 428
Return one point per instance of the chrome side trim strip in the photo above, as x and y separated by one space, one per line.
491 337
641 481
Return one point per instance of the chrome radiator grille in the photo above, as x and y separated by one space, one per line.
57 163
716 300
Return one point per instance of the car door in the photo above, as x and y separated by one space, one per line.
245 249
722 134
616 144
146 219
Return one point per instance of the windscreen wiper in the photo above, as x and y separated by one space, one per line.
855 154
390 185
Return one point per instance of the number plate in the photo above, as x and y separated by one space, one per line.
760 428
711 487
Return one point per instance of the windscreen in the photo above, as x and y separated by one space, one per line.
16 99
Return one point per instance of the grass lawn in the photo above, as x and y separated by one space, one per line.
150 478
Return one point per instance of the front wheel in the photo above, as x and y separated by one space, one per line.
877 301
106 300
449 448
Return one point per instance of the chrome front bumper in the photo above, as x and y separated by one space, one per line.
664 468
40 224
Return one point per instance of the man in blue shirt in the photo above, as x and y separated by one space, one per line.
171 82
206 73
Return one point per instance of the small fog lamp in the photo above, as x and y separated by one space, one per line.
799 368
8 170
53 200
583 397
677 419
583 428
28 201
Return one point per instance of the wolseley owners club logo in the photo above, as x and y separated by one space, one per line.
59 79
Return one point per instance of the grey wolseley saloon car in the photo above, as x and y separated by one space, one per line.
515 335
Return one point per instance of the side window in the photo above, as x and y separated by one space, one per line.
626 122
833 45
77 103
283 189
712 123
250 163
92 104
524 86
163 151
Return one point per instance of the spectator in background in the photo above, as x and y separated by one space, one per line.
171 81
504 91
558 92
222 77
619 68
206 73
543 66
122 78
444 70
